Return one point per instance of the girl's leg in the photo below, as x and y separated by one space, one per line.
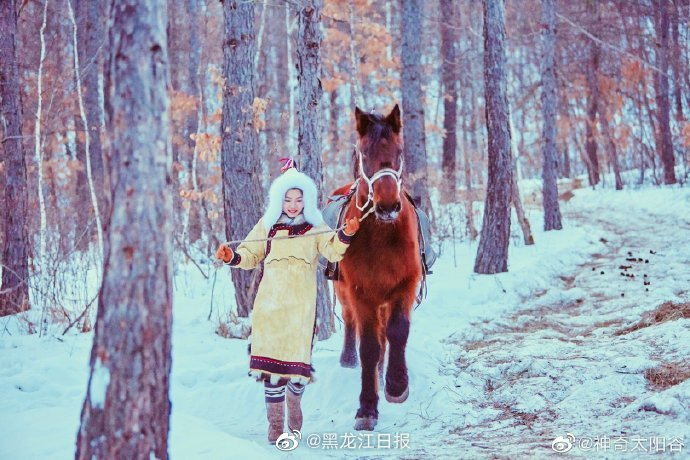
275 409
294 399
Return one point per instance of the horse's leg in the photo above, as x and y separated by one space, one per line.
369 355
382 359
348 356
397 331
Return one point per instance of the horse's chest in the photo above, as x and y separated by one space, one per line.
393 255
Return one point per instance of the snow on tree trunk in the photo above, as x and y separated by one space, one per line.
552 213
242 192
126 412
310 144
492 254
663 106
14 290
449 71
413 103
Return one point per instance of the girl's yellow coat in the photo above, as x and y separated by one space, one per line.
284 311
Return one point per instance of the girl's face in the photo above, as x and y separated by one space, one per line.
292 204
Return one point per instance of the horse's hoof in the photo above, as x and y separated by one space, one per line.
365 423
398 399
350 362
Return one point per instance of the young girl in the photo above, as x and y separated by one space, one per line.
284 314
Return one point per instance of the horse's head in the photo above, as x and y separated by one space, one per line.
378 162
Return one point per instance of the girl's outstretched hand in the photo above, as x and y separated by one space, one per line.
224 253
351 226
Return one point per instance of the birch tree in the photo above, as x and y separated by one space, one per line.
90 24
93 195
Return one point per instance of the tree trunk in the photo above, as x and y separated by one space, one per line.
126 412
14 290
492 254
469 156
90 44
527 236
469 138
92 65
552 213
563 110
355 82
242 192
413 103
591 71
310 131
676 57
663 106
449 74
291 80
612 151
592 108
515 197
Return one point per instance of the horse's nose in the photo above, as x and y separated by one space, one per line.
388 211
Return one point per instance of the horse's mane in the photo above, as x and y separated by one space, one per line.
377 130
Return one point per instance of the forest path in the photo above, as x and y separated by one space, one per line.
570 359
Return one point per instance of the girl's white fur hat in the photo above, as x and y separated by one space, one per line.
290 179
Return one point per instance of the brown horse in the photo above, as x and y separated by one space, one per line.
382 269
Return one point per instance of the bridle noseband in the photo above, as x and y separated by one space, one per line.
396 174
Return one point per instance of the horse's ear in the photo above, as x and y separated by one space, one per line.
393 119
363 122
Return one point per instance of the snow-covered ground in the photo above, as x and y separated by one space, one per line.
499 365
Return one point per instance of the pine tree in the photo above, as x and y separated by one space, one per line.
126 412
242 193
492 255
14 290
552 213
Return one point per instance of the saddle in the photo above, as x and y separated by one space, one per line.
334 213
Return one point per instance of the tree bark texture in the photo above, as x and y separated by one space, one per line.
492 254
592 109
663 103
310 143
552 213
126 412
242 192
413 103
14 290
91 33
449 70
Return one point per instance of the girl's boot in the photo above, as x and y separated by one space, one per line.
276 420
294 405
